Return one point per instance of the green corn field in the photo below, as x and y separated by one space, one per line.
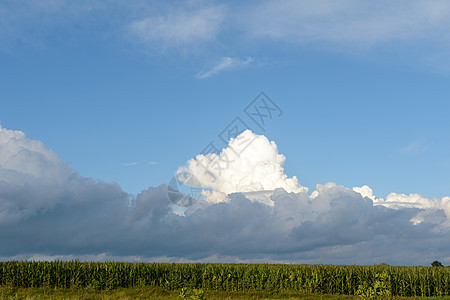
315 279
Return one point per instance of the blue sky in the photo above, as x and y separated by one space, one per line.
358 109
129 92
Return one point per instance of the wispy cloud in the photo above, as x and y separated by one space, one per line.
152 162
225 63
185 26
348 25
416 147
348 20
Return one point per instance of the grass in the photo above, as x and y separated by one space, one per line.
161 293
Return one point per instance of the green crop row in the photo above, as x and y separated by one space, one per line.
317 279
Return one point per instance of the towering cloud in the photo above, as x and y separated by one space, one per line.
250 163
251 211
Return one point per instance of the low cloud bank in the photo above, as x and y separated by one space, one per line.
251 212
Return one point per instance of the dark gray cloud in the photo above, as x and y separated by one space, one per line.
48 211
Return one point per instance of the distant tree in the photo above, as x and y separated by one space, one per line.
382 265
436 264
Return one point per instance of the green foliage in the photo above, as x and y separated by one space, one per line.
436 264
199 294
379 289
368 282
184 293
195 294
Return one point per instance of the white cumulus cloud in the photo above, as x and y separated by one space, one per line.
430 208
256 168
